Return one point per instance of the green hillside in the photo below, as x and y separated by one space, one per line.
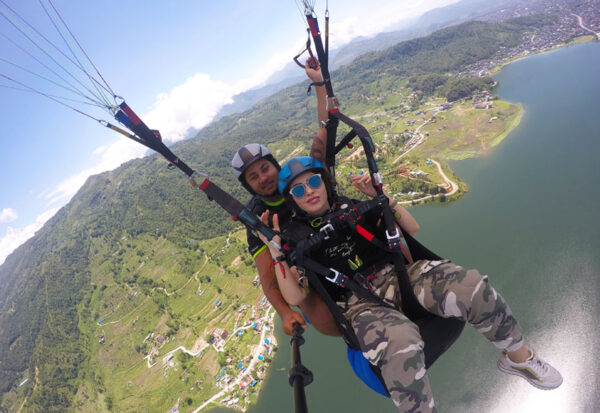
142 251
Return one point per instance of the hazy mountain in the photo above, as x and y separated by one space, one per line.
408 29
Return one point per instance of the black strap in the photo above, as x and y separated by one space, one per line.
314 84
306 49
345 141
316 273
235 208
152 139
331 128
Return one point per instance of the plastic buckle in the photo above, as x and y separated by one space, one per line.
338 278
393 239
327 230
394 236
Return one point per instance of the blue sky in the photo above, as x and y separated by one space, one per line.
176 63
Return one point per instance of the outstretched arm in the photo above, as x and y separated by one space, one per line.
270 287
287 277
319 145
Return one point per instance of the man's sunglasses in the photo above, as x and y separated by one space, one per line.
299 190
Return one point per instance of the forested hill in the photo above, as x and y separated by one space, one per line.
48 287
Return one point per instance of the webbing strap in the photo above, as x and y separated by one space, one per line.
345 141
410 305
148 137
343 324
331 128
151 139
323 58
235 208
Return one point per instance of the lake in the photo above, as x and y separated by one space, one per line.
531 222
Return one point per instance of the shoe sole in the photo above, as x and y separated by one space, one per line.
534 384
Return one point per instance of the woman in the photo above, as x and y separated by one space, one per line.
387 338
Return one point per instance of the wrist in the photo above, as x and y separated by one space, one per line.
278 257
285 310
273 250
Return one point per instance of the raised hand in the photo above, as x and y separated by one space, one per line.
364 185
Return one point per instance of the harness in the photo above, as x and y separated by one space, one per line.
438 333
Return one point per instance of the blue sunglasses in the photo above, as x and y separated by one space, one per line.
299 190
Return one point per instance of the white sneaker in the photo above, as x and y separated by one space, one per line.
535 370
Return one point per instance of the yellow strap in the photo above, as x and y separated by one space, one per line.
259 251
121 131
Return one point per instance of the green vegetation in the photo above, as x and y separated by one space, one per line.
140 249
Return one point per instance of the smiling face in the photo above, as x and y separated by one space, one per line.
314 201
262 177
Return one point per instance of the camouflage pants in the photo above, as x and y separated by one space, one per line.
392 342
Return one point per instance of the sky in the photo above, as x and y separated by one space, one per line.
176 63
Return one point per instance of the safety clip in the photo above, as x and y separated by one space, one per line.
393 239
327 230
337 278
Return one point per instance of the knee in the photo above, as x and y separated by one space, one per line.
392 336
405 339
464 293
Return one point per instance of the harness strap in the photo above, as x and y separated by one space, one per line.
341 321
235 208
346 141
314 84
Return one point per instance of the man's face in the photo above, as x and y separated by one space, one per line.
262 177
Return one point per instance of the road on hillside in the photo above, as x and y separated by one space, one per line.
452 184
249 369
422 137
580 21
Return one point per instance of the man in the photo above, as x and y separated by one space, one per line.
257 170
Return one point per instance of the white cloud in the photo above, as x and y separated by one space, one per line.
8 215
191 105
99 150
276 62
17 236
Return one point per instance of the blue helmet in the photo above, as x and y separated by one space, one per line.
295 167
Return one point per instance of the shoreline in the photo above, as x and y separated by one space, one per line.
267 332
511 127
514 123
574 41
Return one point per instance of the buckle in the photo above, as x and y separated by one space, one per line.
338 278
393 239
327 230
332 103
394 236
